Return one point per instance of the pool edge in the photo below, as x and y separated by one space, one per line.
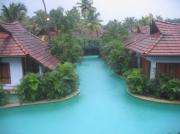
73 94
152 99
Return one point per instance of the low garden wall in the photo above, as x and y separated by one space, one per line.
153 99
17 103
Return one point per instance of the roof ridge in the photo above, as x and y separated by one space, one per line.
7 23
140 39
19 44
38 38
167 22
148 51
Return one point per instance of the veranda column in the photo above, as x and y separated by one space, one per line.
153 70
40 69
138 60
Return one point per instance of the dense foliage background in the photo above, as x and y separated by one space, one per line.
116 55
67 48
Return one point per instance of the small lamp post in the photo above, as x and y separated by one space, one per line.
47 19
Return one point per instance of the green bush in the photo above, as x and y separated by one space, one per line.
28 89
116 55
51 85
3 95
67 49
136 81
59 82
170 88
68 77
164 87
151 88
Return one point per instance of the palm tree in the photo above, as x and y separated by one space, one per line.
71 20
40 20
56 19
146 20
130 22
13 12
93 22
85 6
114 30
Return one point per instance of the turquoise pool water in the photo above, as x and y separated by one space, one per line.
103 107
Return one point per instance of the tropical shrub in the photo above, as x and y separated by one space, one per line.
3 96
151 88
66 48
51 85
28 89
164 87
116 55
68 77
136 81
170 89
59 82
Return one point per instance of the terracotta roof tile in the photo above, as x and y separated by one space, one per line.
137 34
168 28
167 43
9 47
31 44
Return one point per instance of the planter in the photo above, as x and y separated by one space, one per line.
16 103
153 99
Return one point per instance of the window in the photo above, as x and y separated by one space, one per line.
5 73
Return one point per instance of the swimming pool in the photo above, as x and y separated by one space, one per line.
103 107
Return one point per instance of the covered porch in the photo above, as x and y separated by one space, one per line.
12 70
155 66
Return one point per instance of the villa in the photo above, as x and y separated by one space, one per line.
21 52
157 51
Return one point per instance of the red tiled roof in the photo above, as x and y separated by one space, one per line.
137 34
165 42
29 44
9 47
135 37
168 45
145 45
168 28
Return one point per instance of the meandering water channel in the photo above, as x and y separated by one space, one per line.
103 107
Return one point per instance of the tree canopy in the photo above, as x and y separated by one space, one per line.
114 30
13 12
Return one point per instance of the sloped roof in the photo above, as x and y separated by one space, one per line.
9 47
145 45
135 37
168 28
137 34
164 42
168 45
27 44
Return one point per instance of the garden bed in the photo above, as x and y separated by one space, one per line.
153 99
17 103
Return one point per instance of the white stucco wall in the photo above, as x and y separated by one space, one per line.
16 71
